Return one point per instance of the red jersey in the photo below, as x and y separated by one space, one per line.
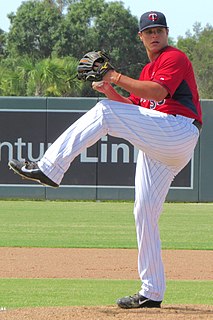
173 70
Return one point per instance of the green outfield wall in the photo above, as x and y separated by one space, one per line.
104 171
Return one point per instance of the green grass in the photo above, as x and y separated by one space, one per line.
66 224
187 226
17 293
100 225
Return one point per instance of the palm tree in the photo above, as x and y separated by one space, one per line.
50 77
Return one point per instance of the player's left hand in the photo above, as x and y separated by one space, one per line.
94 66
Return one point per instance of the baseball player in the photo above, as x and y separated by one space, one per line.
161 117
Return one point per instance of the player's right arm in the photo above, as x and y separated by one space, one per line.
149 90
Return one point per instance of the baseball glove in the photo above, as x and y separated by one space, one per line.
93 66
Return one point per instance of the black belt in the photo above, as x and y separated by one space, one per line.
196 123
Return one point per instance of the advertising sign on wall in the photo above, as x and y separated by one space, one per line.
111 161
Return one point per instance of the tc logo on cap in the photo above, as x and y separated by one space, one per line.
152 19
153 16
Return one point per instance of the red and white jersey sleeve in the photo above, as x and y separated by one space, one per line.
173 70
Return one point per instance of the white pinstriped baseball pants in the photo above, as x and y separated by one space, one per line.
166 144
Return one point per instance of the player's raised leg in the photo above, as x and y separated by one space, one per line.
176 146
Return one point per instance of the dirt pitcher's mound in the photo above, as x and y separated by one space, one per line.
170 312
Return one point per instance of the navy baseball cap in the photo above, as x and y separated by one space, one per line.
152 19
